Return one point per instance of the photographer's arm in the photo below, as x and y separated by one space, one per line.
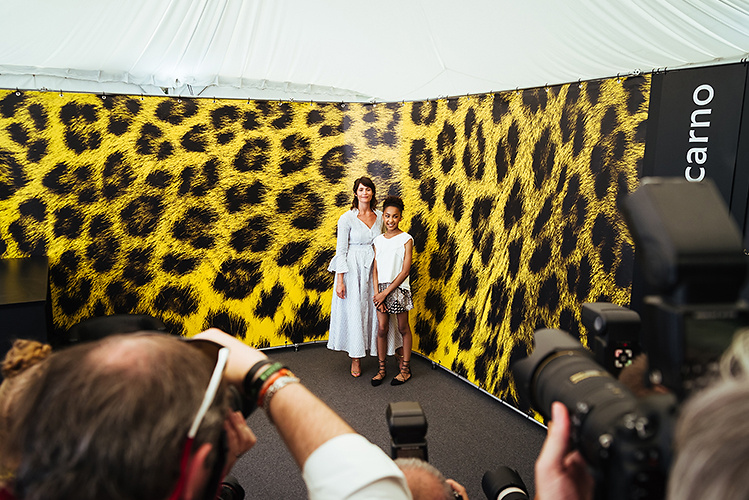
308 426
561 473
303 421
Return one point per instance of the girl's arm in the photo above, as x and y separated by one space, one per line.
375 277
401 275
378 297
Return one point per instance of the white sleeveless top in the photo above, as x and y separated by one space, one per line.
389 254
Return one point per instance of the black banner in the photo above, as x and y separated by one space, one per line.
694 129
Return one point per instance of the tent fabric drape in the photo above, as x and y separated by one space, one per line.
341 50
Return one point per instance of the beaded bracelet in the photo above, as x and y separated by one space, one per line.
277 385
269 382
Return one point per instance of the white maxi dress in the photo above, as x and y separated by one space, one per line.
353 320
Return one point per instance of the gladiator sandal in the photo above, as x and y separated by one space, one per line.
405 374
399 357
381 373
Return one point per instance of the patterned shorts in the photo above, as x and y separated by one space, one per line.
397 301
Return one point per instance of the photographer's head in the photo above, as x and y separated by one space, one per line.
712 445
711 441
110 419
424 480
734 363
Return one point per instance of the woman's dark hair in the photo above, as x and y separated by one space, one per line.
367 182
393 201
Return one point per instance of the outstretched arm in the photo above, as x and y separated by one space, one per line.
303 421
319 440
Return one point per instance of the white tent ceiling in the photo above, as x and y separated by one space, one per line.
355 50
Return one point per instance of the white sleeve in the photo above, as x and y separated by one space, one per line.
339 264
348 467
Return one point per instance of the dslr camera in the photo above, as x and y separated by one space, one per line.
692 258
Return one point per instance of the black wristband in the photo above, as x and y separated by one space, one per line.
250 402
251 374
247 382
252 387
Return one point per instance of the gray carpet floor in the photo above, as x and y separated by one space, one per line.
469 432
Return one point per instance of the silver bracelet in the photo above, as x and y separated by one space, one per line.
278 384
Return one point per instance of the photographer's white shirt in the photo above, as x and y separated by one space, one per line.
348 467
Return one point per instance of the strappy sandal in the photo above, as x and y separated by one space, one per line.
399 357
381 373
355 372
405 374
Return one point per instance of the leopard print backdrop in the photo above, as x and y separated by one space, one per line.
222 213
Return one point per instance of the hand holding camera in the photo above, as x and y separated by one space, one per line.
564 469
693 260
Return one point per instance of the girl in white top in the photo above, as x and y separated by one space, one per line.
393 251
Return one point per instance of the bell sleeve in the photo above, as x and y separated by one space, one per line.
339 264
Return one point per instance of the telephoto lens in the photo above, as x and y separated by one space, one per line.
625 441
231 489
503 483
561 369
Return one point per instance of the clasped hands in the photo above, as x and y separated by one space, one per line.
379 301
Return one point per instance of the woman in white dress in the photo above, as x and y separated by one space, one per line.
353 321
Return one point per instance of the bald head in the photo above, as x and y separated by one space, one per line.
138 355
424 480
113 415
